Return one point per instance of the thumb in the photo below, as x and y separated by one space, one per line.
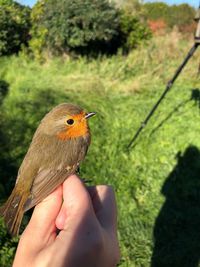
76 204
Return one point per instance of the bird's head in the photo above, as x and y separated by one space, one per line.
66 121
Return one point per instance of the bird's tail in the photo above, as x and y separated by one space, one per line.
12 211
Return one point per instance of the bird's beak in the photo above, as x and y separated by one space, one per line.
90 114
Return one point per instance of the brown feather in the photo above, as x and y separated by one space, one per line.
13 211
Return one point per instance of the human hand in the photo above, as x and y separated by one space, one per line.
86 218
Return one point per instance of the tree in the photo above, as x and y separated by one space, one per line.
157 10
14 26
70 25
181 15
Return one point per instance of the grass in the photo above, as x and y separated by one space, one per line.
156 184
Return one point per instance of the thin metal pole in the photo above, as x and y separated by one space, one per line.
169 85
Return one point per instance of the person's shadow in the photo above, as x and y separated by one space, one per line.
177 227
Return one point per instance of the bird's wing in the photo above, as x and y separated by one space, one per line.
45 183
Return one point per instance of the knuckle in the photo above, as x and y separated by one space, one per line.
106 190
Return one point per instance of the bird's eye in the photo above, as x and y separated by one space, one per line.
70 121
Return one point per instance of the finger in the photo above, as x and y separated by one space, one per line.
76 203
61 218
41 229
104 203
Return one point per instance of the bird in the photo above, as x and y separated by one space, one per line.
58 146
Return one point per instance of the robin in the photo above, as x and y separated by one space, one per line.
58 146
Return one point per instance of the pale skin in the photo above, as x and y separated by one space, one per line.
87 220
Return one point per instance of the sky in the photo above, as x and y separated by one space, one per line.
194 3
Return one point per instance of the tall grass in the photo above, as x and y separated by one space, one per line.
122 90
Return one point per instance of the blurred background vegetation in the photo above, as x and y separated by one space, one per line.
114 58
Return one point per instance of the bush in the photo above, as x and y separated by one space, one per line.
14 26
63 26
132 31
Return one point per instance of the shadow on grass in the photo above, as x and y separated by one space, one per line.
195 96
177 227
4 89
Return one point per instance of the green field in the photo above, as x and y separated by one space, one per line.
157 184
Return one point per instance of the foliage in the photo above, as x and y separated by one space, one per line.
66 25
132 6
157 10
132 30
86 27
173 15
14 26
38 31
7 246
181 15
156 184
